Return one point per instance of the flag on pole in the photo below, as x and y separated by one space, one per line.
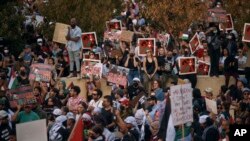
77 132
170 130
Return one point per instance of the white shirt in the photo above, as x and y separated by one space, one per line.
97 104
75 46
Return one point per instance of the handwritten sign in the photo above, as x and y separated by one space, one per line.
211 106
118 75
40 72
126 36
181 104
246 33
91 67
60 32
20 96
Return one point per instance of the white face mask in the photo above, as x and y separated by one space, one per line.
6 51
40 44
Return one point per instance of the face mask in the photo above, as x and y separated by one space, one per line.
22 73
6 51
40 44
169 58
229 37
215 31
174 54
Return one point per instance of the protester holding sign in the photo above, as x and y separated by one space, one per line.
74 45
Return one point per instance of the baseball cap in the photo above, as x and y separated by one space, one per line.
124 101
246 90
70 115
243 80
3 114
209 90
131 120
203 118
57 112
136 79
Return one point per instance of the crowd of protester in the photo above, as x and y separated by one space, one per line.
111 116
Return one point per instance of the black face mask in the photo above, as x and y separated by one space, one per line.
73 26
174 54
22 73
169 58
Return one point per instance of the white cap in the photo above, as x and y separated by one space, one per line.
136 79
3 114
57 112
131 120
70 115
209 90
202 119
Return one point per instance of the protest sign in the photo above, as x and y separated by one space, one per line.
187 65
118 75
77 132
60 32
114 25
217 15
89 40
246 33
163 38
145 44
135 100
32 131
112 36
40 72
95 56
203 68
181 104
91 67
194 43
228 25
211 106
115 52
126 36
20 96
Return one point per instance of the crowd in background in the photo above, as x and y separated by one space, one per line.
110 116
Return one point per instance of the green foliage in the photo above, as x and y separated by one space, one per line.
90 14
10 26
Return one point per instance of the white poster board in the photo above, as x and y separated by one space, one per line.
32 131
211 106
181 104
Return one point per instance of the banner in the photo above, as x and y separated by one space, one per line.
118 75
187 65
60 32
40 72
211 106
89 40
126 36
91 67
194 43
181 104
145 44
246 33
203 68
228 25
32 131
77 132
20 96
114 25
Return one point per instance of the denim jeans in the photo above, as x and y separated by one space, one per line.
74 57
131 75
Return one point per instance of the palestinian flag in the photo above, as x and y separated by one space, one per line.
13 83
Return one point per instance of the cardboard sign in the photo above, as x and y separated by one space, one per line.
228 25
118 75
194 43
95 56
20 96
246 33
187 65
89 40
113 26
145 44
91 67
40 72
181 104
211 106
126 36
217 15
112 36
32 131
115 52
203 68
60 32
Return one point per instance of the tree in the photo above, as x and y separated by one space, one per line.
10 24
240 10
174 14
90 14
